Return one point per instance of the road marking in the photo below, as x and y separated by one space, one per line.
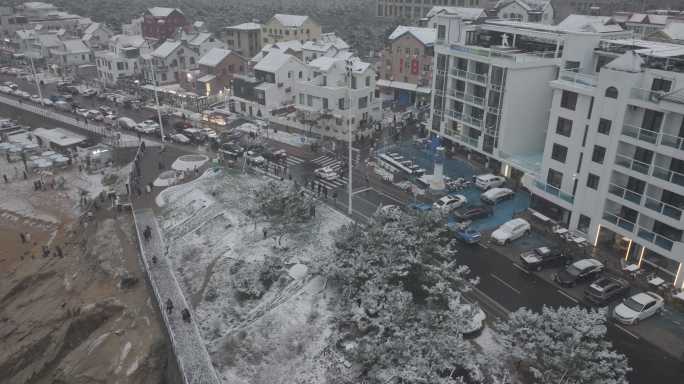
388 196
568 296
493 302
483 245
500 280
521 268
626 331
361 190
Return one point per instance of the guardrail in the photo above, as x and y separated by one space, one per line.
653 137
552 190
578 78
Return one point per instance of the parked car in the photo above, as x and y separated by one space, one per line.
35 98
110 119
81 112
255 158
578 271
180 138
606 289
473 212
95 115
88 92
5 89
147 127
126 123
473 320
468 235
210 133
106 110
510 231
539 258
326 173
489 181
66 97
63 105
47 102
390 211
449 202
231 150
638 307
496 195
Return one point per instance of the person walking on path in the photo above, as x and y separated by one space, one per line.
59 252
185 314
169 306
4 177
23 237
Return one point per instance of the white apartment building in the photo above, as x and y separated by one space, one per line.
613 164
330 100
329 44
527 11
170 60
122 60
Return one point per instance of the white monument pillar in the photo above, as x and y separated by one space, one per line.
437 181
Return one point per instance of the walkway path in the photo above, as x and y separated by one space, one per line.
188 346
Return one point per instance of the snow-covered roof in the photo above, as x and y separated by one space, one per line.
214 57
588 23
166 48
628 62
91 28
290 20
25 34
136 41
426 36
58 136
324 63
325 42
464 12
75 46
162 11
246 26
344 55
528 5
206 78
49 40
199 38
674 30
283 46
637 18
273 61
657 19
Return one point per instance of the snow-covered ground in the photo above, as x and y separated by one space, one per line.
213 243
281 136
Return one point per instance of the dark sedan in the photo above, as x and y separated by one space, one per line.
578 271
606 289
539 258
472 213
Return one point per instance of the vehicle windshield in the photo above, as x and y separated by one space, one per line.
440 202
633 305
574 271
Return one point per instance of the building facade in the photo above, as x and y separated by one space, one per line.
216 70
283 27
405 65
416 9
171 60
527 11
161 23
122 60
244 39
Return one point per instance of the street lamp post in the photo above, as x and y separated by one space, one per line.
156 100
349 135
35 78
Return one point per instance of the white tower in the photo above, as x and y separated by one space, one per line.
437 181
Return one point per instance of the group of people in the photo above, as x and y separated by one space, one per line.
185 313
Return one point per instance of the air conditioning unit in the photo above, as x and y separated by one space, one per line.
280 85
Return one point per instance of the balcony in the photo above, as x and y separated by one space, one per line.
550 189
490 53
578 78
663 208
632 164
619 221
668 175
479 101
657 239
656 96
470 120
652 137
625 193
462 74
471 141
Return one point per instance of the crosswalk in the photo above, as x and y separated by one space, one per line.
327 161
332 184
294 160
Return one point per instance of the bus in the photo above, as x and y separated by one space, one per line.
395 163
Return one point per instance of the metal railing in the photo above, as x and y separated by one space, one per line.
663 208
518 57
657 239
578 78
465 118
473 142
467 97
657 96
460 73
668 175
625 193
632 164
619 221
552 190
653 137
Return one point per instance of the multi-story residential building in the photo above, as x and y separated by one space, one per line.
292 47
564 8
328 44
169 62
528 11
339 94
97 36
613 164
467 14
405 65
37 46
123 59
270 86
416 9
134 28
672 33
11 22
71 53
161 23
290 27
643 24
201 42
49 17
216 70
244 39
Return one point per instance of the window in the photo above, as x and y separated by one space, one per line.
301 98
363 102
599 154
289 74
569 100
591 107
300 74
652 120
340 103
583 224
661 85
309 100
604 126
572 66
554 178
612 92
593 181
325 103
367 81
231 68
564 127
441 32
559 153
119 66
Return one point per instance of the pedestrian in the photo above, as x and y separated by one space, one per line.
23 237
25 175
169 306
59 252
4 177
265 233
325 192
319 189
154 259
46 251
161 165
185 314
128 189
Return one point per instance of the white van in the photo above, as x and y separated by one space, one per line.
488 181
495 195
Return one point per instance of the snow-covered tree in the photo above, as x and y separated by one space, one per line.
399 307
563 345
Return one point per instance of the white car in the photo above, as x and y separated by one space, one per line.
210 133
449 202
82 112
255 158
94 115
326 173
47 102
511 230
35 98
495 195
489 181
180 138
147 126
89 92
638 307
5 89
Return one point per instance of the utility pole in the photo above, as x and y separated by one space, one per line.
349 135
35 78
156 97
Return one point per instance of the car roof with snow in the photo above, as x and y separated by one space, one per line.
644 298
587 263
514 222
